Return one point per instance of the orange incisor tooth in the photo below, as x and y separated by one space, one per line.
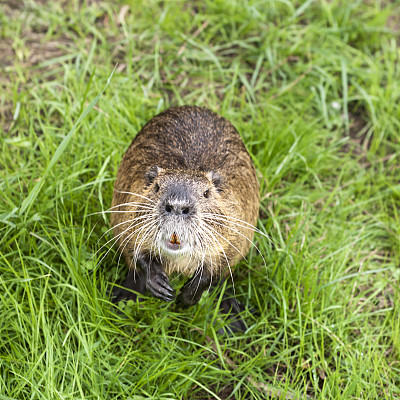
174 239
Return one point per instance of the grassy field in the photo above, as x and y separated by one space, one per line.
313 88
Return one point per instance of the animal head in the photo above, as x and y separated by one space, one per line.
183 202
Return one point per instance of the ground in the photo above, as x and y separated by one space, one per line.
313 87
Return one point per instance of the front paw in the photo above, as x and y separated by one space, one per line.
157 284
189 296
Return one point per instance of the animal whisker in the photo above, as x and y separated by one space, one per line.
115 239
120 211
147 232
139 206
245 225
136 254
205 239
226 240
115 226
210 229
126 240
239 233
136 194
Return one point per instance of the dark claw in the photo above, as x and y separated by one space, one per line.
158 285
162 295
164 277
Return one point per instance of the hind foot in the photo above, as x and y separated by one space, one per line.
231 308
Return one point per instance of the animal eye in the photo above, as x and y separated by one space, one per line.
157 187
206 194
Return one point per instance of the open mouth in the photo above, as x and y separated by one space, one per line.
174 243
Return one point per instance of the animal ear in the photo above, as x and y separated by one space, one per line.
152 173
217 179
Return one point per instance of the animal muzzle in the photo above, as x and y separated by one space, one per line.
177 208
178 202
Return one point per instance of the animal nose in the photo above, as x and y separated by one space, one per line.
177 209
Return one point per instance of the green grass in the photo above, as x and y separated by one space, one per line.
313 87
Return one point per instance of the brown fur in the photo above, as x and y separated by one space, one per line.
203 150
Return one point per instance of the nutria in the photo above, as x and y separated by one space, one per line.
185 201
